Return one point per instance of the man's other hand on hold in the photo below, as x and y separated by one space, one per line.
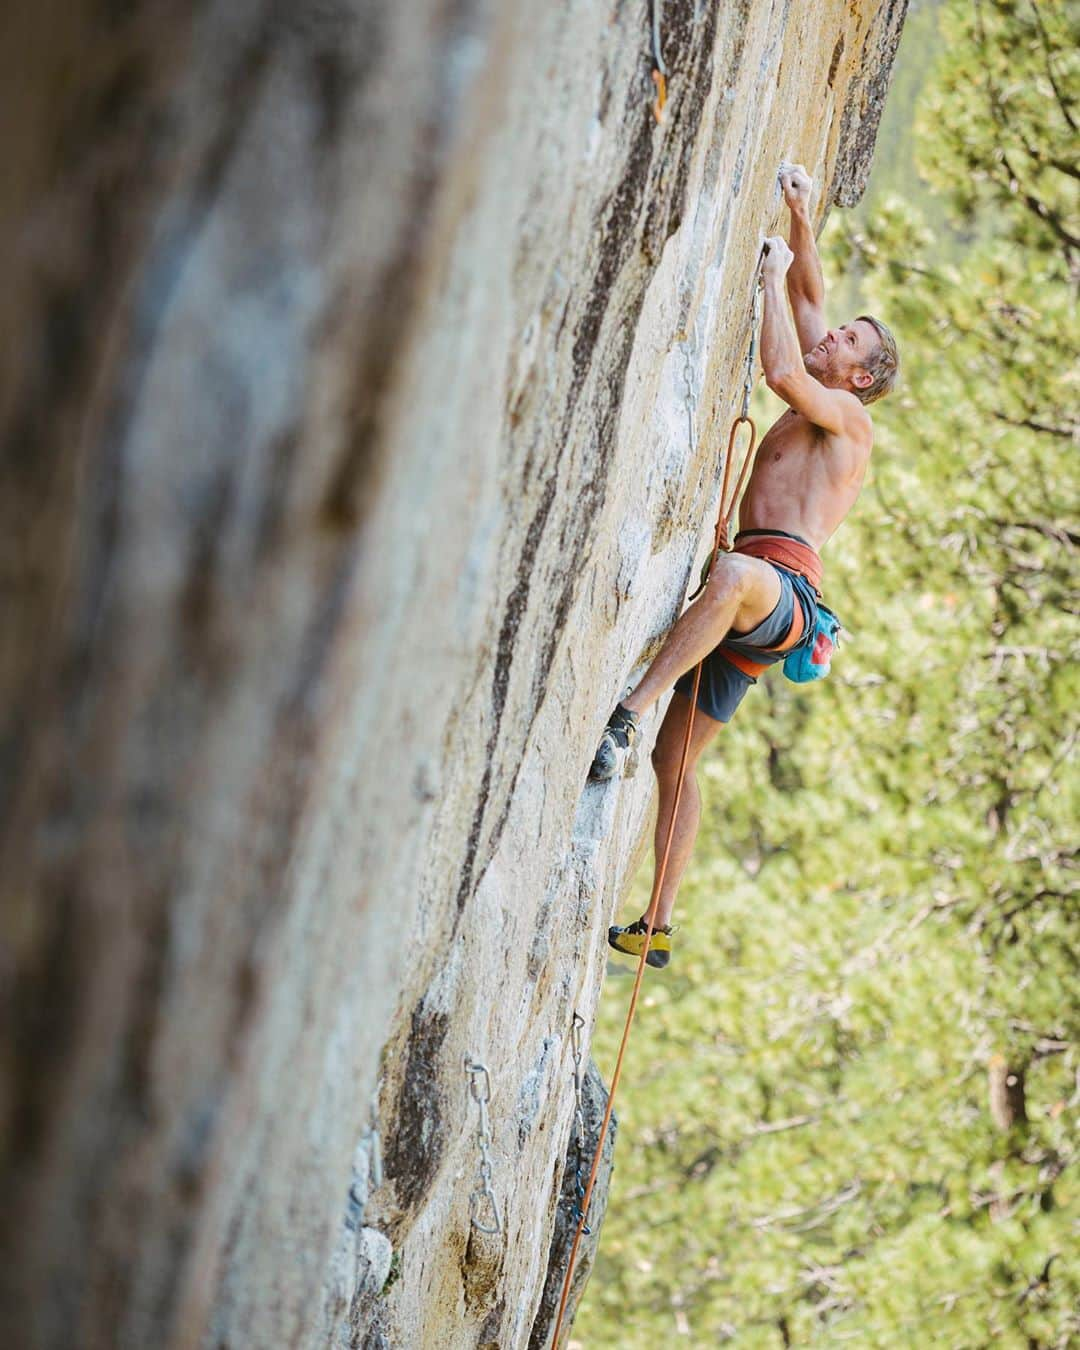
797 185
778 258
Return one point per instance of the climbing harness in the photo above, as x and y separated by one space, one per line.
659 75
727 507
482 1202
576 1210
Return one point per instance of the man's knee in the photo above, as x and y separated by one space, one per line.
749 585
731 578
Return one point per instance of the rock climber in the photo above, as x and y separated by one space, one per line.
761 600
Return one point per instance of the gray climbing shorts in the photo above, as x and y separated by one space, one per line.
723 685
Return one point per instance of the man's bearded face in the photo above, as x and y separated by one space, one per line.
840 353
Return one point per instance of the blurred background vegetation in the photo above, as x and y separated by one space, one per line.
850 1113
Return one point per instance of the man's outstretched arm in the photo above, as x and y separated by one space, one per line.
805 282
835 410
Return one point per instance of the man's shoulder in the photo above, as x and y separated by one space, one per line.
857 427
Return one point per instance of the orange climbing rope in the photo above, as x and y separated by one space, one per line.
723 520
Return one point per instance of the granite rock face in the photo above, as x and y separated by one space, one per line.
345 479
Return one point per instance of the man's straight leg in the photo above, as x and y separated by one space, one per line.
666 758
667 761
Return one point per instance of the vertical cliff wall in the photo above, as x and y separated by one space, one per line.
345 482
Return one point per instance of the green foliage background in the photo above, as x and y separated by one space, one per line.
883 897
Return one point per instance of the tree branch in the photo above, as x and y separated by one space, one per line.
821 1210
1065 433
1063 102
1056 532
1039 209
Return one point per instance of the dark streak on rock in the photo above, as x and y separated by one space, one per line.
281 457
513 611
489 1334
332 83
619 221
864 103
689 50
354 480
313 652
834 64
416 1143
594 1103
34 1022
209 518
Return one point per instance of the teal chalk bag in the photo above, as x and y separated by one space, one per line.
811 660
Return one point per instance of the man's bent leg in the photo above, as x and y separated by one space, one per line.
666 757
740 594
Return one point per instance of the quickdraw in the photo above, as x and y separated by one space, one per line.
482 1202
577 1210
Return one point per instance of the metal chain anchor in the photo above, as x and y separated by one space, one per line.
482 1200
579 1125
689 396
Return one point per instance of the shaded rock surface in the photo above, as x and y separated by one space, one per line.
594 1099
345 480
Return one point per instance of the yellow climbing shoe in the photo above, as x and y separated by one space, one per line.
631 939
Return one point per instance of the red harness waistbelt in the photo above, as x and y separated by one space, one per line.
790 553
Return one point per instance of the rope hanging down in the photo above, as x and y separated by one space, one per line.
727 509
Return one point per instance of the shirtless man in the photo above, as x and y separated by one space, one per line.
761 600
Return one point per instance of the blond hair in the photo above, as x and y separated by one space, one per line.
883 363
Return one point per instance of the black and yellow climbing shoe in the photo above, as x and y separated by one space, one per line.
631 939
616 752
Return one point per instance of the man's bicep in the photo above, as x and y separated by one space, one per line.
833 410
809 323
